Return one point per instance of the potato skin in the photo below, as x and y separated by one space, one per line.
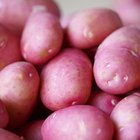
42 37
7 135
63 79
81 122
126 118
128 10
9 47
19 91
4 116
32 130
116 67
88 28
104 101
16 18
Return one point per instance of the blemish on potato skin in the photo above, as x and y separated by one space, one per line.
133 53
88 34
3 42
50 51
125 78
113 102
20 76
30 75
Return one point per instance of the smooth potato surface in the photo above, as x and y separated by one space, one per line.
79 122
66 79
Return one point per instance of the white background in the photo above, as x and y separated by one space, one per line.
68 6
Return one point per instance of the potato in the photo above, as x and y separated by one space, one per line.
66 79
79 122
126 118
19 91
7 135
128 10
42 38
14 13
4 116
9 47
116 67
104 101
31 130
88 28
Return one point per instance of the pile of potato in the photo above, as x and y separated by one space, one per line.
74 77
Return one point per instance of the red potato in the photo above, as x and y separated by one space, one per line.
19 91
4 116
42 37
104 101
7 135
126 118
32 130
9 47
117 61
88 28
66 79
79 122
19 10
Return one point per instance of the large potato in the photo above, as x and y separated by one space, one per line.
89 27
42 37
117 61
66 79
19 91
79 122
14 13
126 117
9 47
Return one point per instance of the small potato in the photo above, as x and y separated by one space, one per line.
42 37
4 116
88 28
104 101
126 117
79 122
7 135
19 91
14 13
32 130
66 79
9 47
117 61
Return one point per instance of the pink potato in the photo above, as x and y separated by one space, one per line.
42 37
4 116
126 117
7 135
14 13
117 61
19 91
79 122
9 47
104 101
88 28
31 130
128 10
66 79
